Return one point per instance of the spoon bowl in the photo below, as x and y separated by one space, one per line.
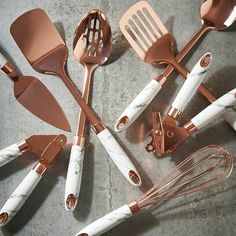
92 40
219 14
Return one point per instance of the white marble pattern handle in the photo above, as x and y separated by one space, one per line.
119 157
230 117
3 60
74 175
18 197
137 106
193 81
8 154
107 222
215 110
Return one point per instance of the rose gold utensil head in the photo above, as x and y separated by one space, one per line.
93 41
148 36
218 13
35 97
142 28
45 54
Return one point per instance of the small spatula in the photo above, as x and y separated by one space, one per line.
35 97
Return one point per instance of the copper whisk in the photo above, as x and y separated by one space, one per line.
206 167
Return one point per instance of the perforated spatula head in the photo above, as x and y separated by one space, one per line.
143 29
93 41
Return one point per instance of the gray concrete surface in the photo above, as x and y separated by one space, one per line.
211 212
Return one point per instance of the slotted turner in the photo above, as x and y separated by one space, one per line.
141 26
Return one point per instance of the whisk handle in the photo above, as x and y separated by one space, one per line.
107 222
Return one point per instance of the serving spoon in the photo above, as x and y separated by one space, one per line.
92 47
215 15
47 53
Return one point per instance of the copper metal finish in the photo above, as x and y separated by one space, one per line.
134 177
207 167
214 15
3 218
70 201
134 207
50 153
172 134
92 47
190 127
35 97
47 53
157 134
23 146
174 113
9 70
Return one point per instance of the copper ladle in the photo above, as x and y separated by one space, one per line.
92 47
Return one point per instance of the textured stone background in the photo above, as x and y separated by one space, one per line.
212 212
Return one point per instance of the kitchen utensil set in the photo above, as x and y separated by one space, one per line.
215 15
207 167
47 53
48 147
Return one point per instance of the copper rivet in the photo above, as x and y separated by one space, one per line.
158 132
170 133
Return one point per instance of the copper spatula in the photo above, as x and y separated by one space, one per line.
35 97
45 50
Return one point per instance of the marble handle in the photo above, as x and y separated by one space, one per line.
74 175
8 154
3 60
19 196
107 222
230 117
191 84
119 157
138 105
215 110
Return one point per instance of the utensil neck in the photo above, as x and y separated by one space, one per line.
204 29
95 122
89 69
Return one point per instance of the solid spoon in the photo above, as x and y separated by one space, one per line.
92 47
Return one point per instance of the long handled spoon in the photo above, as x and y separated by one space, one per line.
215 15
92 47
47 53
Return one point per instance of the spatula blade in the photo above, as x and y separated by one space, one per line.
35 97
31 32
142 27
